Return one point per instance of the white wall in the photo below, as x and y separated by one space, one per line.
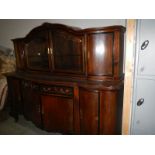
16 28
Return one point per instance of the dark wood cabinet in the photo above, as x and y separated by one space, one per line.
68 51
89 111
69 80
31 102
110 109
100 51
36 48
57 113
14 94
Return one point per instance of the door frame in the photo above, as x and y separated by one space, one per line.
129 60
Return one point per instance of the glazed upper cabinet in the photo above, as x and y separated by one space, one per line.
93 53
36 50
55 50
69 57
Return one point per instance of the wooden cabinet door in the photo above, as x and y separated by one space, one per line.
68 52
110 112
36 48
57 113
89 112
14 96
31 101
100 54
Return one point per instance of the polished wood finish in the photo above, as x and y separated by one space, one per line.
70 80
20 55
108 110
14 94
89 112
100 49
31 102
57 114
59 90
95 53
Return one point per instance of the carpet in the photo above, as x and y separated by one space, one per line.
8 126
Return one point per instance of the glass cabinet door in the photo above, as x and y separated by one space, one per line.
68 52
37 54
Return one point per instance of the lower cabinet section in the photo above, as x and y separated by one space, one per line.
14 97
67 109
100 112
89 112
31 102
57 113
109 112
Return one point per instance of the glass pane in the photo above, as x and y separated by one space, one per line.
37 54
68 51
70 63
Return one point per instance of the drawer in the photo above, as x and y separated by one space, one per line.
58 90
30 85
26 84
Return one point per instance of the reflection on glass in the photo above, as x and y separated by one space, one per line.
67 57
37 56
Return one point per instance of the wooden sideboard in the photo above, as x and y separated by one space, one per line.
69 80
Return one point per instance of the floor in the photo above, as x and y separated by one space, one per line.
8 126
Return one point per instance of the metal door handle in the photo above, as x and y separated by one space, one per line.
144 44
140 102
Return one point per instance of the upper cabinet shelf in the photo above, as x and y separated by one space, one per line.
67 51
36 52
95 53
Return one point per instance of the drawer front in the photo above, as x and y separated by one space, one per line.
26 84
58 90
30 85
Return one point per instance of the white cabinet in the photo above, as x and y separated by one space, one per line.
143 112
146 47
144 115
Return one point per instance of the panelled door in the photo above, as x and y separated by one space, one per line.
69 57
89 112
37 52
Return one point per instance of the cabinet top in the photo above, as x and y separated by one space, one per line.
74 30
